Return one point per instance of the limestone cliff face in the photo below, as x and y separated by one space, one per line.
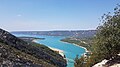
47 56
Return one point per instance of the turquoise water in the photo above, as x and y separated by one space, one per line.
70 50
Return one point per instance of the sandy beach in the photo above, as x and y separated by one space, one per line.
61 52
34 40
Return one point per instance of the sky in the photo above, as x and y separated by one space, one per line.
47 15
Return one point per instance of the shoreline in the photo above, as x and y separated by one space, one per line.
35 40
61 52
77 45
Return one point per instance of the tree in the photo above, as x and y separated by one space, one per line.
106 43
79 62
107 40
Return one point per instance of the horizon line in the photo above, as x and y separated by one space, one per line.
51 30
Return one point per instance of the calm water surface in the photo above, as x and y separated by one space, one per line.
70 50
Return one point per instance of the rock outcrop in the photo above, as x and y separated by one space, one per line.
114 62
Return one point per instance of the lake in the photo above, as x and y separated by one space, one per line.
70 50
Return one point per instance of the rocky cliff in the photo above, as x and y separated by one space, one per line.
14 51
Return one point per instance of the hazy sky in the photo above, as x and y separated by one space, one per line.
53 14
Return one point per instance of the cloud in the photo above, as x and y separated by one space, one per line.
19 15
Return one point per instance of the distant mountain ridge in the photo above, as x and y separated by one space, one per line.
16 52
78 33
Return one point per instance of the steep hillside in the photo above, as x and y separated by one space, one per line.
12 57
24 53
